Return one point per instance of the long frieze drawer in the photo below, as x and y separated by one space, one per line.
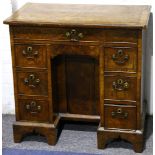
32 83
30 55
57 34
120 87
33 110
120 59
75 34
122 117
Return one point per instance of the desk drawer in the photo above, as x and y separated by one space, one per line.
75 34
30 55
123 117
121 35
120 59
58 34
33 110
32 83
120 87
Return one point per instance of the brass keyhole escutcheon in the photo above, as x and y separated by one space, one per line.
120 52
119 110
119 113
29 49
119 81
29 53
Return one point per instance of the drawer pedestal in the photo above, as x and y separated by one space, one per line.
20 129
134 137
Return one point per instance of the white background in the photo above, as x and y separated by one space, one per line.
6 81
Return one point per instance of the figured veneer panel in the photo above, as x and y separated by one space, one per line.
75 85
119 116
120 87
81 34
81 85
32 83
30 55
120 59
84 15
121 35
58 34
33 110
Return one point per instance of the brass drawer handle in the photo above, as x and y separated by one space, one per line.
31 81
33 107
73 35
120 85
120 57
119 114
29 53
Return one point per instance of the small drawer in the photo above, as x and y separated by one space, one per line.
120 87
32 83
33 110
28 55
121 35
122 117
120 59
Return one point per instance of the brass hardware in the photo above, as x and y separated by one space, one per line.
119 114
27 106
120 57
80 35
119 81
67 34
74 35
126 85
29 53
119 110
33 104
31 81
33 107
39 107
120 51
120 85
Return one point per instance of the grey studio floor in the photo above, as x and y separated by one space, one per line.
75 137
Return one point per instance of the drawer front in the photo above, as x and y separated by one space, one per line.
120 59
33 110
122 117
75 34
28 55
120 87
58 34
32 83
121 35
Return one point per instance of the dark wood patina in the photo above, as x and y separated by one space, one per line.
81 63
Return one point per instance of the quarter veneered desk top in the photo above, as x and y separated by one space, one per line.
81 15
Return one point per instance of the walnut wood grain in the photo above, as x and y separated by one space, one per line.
32 82
134 137
120 59
120 91
34 110
120 116
30 55
81 15
79 63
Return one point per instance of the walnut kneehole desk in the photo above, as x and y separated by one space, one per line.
79 63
